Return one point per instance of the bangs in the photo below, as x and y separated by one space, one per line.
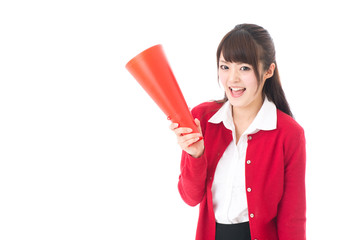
239 46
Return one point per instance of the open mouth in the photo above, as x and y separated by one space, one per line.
237 92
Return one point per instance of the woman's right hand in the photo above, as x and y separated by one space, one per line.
189 142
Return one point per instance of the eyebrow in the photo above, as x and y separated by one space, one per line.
224 61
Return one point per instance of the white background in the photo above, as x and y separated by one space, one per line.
86 154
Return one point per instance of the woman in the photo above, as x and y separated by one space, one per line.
248 171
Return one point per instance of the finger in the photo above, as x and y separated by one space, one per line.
182 131
173 126
189 137
187 144
197 122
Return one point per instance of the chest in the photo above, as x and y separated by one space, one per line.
230 168
260 155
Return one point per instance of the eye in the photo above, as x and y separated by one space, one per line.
224 67
245 68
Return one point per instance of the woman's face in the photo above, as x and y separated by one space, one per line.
240 83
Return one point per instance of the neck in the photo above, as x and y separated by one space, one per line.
243 116
247 113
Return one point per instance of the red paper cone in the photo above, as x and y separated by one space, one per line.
151 69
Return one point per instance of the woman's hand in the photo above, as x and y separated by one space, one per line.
189 142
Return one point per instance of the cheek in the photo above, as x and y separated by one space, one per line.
222 79
251 82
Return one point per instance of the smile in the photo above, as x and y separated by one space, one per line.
237 92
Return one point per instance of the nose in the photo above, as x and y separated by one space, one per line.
234 76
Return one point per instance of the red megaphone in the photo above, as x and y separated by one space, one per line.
151 69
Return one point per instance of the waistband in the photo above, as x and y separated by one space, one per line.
238 231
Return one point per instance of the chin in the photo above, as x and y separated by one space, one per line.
240 102
237 102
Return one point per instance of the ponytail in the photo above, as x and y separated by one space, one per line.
273 91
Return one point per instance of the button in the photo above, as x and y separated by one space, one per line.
248 189
252 215
249 137
248 161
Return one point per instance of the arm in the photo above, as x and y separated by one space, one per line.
291 219
193 164
192 178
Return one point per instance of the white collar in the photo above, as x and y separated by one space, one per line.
266 118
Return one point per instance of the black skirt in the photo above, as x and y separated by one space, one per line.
238 231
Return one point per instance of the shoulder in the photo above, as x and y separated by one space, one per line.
287 123
206 110
290 130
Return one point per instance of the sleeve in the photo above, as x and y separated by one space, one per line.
193 171
192 178
291 219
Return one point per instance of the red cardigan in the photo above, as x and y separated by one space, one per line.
275 174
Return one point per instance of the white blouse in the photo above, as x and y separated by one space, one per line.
228 189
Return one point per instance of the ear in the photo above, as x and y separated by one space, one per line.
270 72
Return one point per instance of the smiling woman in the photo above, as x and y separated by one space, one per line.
254 47
248 138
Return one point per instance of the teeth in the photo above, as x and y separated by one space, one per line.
236 89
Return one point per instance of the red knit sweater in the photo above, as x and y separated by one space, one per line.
275 173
